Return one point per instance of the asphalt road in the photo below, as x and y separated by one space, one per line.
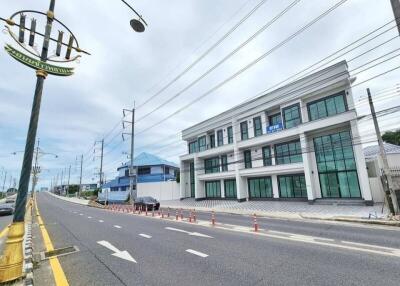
167 255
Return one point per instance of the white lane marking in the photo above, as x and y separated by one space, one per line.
117 253
89 217
201 254
117 226
188 232
145 235
80 214
100 220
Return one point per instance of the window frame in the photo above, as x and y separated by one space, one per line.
284 115
244 135
324 100
247 159
229 130
224 165
267 161
272 116
287 159
258 118
202 147
211 165
212 140
220 138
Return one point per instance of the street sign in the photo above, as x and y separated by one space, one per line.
274 128
37 64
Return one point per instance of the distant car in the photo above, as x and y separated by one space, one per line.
149 202
7 208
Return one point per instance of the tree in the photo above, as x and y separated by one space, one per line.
392 137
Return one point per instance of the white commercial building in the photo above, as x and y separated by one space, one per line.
298 142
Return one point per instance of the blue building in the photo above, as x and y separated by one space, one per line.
150 169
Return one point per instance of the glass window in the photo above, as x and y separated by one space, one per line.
327 106
212 141
292 186
213 189
336 166
202 143
274 119
257 126
230 134
260 187
144 171
211 165
230 188
247 159
291 116
290 152
267 156
244 130
193 147
224 163
220 138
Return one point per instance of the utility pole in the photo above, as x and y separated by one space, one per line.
132 174
4 182
386 170
80 178
396 12
101 163
69 176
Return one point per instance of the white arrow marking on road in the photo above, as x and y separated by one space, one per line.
117 226
201 254
145 235
188 232
117 253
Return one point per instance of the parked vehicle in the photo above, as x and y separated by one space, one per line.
8 207
148 202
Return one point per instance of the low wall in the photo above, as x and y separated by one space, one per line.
376 189
162 191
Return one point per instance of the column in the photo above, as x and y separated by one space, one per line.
241 189
307 163
183 184
361 165
199 185
222 188
275 187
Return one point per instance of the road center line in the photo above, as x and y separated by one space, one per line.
117 226
145 235
196 253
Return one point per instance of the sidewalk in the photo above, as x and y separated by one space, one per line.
71 200
289 210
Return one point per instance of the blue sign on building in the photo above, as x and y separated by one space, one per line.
274 128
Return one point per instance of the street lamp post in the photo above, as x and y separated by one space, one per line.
12 259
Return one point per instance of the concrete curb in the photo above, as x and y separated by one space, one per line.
71 200
28 252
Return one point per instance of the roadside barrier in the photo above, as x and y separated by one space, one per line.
181 214
168 213
158 211
212 218
190 216
176 214
162 214
255 223
146 210
152 211
194 215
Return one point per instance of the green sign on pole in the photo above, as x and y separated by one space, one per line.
37 64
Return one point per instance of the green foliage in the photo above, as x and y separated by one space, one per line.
72 189
392 137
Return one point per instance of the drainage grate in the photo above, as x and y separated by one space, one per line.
59 252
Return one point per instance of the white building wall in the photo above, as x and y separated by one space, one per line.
162 191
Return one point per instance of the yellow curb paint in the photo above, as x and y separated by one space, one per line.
58 272
4 231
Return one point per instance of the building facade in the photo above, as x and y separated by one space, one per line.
298 142
150 169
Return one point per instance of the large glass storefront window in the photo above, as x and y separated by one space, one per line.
260 187
292 186
327 106
287 153
213 189
336 166
230 188
291 116
211 165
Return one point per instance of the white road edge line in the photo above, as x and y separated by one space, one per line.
145 235
117 226
196 253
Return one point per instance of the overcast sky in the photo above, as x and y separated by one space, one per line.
127 67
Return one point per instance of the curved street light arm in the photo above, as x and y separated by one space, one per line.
140 16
